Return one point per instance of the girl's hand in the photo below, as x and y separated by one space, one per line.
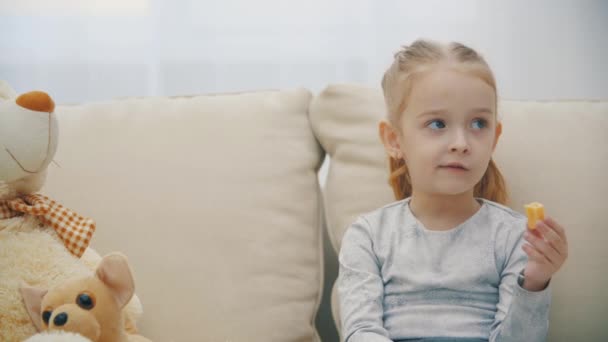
547 250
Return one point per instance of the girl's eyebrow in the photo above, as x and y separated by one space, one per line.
435 112
431 112
482 110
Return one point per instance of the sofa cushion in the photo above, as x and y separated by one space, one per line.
215 201
345 120
552 152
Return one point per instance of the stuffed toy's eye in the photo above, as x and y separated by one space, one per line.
85 301
46 315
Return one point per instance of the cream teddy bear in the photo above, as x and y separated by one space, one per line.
41 243
57 336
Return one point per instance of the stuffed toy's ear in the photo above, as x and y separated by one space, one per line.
6 92
32 297
114 271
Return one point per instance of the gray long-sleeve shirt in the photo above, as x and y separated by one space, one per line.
399 281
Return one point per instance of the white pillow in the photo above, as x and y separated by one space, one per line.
215 201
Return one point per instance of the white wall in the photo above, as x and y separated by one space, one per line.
82 50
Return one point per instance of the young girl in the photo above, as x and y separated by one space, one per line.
447 261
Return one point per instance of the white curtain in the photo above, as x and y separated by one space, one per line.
89 50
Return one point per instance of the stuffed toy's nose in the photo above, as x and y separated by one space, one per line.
36 100
60 319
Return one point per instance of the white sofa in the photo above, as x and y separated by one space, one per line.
216 201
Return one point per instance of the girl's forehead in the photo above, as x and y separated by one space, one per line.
448 87
450 84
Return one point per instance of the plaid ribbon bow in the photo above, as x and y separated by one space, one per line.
74 230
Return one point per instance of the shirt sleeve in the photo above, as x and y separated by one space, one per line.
360 287
521 315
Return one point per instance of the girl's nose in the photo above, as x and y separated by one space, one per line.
459 143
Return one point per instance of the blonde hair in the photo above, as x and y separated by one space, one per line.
397 84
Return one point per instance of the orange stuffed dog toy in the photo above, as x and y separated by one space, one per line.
91 307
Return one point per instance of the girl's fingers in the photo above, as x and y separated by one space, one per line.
545 249
557 228
551 237
534 254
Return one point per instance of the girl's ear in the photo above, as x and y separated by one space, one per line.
498 133
390 139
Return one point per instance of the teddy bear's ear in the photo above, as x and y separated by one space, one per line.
6 92
32 296
114 271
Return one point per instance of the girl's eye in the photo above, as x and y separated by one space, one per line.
480 123
436 124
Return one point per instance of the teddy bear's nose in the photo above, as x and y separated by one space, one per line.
36 100
60 319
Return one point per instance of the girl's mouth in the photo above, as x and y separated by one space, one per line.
454 168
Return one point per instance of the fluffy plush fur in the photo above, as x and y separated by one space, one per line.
90 306
58 336
31 253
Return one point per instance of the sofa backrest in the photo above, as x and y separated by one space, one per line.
214 199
